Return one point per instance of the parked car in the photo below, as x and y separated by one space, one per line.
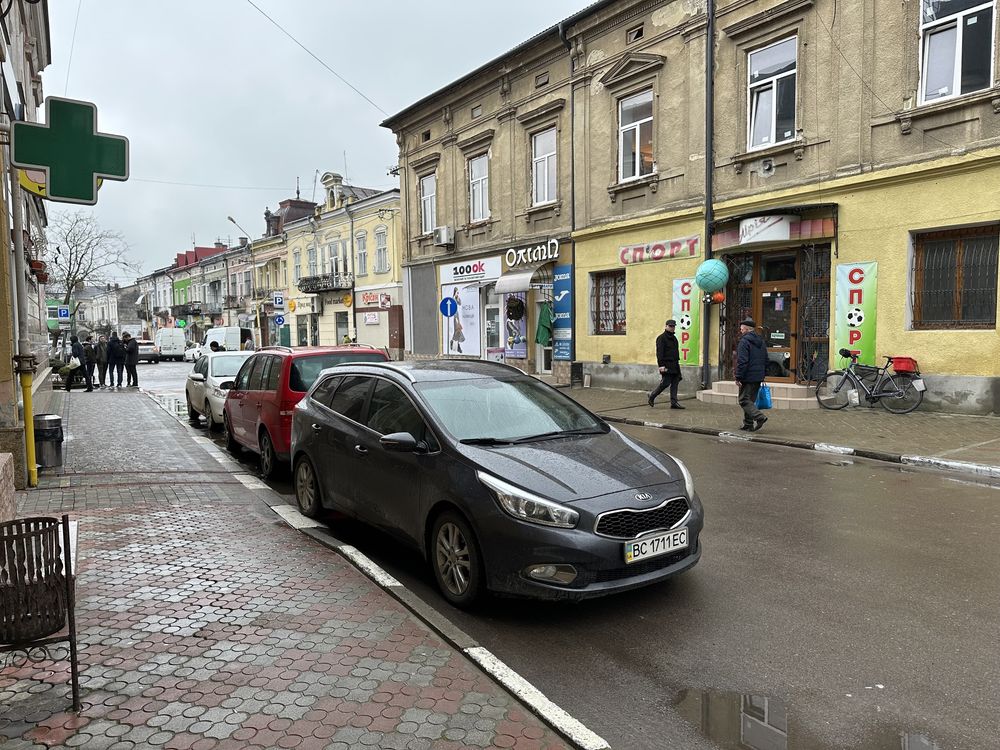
192 353
259 404
501 482
170 344
204 396
147 351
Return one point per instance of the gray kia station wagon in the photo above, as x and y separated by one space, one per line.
502 482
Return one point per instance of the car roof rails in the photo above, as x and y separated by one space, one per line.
390 365
275 348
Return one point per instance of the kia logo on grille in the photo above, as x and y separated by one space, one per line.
643 497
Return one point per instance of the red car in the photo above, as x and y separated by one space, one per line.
259 405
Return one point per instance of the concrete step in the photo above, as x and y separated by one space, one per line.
777 402
778 390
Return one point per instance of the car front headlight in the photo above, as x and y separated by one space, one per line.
688 481
527 507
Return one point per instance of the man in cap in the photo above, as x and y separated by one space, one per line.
751 365
668 359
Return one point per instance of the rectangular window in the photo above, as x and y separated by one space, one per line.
428 203
479 188
381 251
955 278
543 167
635 136
634 34
53 313
477 111
607 302
771 72
247 283
296 266
361 240
542 79
956 47
311 260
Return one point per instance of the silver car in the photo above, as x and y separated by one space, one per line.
204 396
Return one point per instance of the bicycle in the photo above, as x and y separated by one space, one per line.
899 392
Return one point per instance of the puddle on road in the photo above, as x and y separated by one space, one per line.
735 721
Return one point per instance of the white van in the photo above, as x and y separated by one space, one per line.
170 343
230 338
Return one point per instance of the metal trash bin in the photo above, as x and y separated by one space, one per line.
48 440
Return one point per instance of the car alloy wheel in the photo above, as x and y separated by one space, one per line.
212 424
268 461
231 445
307 492
455 557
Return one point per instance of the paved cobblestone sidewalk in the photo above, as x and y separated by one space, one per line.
204 622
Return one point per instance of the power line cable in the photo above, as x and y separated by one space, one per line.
354 88
206 185
72 44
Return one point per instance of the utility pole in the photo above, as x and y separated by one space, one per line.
706 370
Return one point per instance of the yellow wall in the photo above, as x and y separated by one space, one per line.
877 215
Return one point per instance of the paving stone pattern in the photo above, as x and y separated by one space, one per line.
205 622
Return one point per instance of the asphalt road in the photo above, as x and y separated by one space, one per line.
840 603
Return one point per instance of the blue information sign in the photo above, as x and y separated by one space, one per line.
562 313
279 320
449 307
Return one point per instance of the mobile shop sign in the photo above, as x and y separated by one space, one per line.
469 271
376 299
562 309
687 313
856 310
533 254
686 247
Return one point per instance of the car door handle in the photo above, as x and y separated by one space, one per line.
258 404
361 450
316 427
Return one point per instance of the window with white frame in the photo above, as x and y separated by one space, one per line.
296 266
956 47
247 283
543 167
311 260
479 188
635 136
381 250
361 242
428 203
338 257
771 73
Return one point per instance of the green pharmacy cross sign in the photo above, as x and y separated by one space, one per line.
68 148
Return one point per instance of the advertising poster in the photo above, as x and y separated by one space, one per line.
856 311
461 332
515 331
687 313
562 313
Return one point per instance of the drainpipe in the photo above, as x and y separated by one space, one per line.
25 359
706 370
572 193
354 303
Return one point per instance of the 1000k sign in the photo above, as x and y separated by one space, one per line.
656 545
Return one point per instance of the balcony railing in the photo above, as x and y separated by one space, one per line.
327 282
232 302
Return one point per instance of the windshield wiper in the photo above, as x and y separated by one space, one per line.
560 433
485 441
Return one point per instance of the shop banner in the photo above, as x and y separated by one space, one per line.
562 313
856 311
515 310
687 313
461 332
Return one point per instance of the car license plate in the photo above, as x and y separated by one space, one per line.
918 384
656 545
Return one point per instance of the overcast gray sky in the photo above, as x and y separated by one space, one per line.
210 93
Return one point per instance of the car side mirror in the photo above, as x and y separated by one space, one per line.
227 385
197 377
400 442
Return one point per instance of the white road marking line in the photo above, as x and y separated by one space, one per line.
531 695
984 470
967 447
365 563
251 482
293 518
842 450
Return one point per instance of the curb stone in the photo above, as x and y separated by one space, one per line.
555 717
965 467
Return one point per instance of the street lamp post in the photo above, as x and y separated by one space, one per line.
253 279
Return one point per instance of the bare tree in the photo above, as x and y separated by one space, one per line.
80 253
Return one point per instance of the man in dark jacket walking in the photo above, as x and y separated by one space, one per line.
751 365
101 352
668 359
131 359
116 360
90 353
81 356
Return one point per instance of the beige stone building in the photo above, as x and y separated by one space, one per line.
856 189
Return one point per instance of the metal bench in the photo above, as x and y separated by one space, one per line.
37 591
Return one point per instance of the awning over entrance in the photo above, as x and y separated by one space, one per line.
520 279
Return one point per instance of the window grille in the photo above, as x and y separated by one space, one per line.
955 278
607 304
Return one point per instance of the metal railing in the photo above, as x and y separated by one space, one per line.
327 282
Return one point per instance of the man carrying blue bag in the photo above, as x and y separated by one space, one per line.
751 366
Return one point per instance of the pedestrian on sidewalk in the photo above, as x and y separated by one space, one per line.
90 353
77 353
751 365
116 359
131 359
668 359
101 351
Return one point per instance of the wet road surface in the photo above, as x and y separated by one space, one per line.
839 603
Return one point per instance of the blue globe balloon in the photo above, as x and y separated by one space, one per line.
712 275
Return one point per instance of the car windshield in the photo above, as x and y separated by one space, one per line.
227 367
305 370
494 410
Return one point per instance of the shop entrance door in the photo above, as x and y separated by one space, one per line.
777 318
492 346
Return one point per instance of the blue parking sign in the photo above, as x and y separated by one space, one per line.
63 312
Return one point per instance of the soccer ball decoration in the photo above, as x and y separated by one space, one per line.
712 275
855 317
684 321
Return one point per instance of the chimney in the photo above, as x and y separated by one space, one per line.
220 245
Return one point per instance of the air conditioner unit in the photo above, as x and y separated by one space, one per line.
444 236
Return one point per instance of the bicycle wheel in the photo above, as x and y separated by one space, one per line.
898 394
832 390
